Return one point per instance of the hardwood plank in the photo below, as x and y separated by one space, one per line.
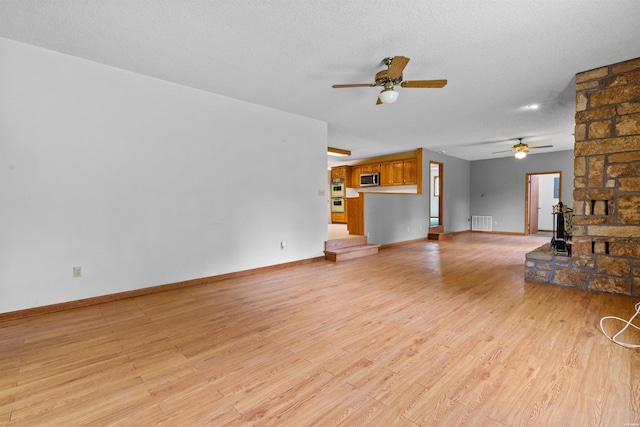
427 333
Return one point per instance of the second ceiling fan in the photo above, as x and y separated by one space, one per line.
392 77
521 149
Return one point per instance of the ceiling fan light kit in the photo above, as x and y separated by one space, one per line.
521 155
391 77
388 96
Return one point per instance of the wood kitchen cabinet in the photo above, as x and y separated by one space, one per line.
374 167
343 172
338 217
385 174
398 172
410 168
355 215
355 176
392 173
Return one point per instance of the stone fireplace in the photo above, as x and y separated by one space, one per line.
605 252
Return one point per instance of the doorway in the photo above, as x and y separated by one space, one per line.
436 193
543 191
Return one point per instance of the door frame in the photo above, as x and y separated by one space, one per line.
526 194
440 227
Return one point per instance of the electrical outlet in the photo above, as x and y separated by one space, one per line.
77 271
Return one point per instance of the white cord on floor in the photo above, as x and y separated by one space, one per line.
628 323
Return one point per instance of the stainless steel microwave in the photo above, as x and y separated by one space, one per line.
369 179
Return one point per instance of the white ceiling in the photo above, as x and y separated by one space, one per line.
498 56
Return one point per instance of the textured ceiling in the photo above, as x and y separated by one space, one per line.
498 56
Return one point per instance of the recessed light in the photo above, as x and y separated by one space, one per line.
533 106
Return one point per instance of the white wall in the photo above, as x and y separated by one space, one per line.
498 186
143 182
390 218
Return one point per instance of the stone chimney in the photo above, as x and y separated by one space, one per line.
605 253
606 194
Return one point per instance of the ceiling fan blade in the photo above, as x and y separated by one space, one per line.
540 146
397 66
424 83
355 85
503 151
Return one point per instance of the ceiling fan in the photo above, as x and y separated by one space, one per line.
521 149
391 77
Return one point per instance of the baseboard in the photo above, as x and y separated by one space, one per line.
53 308
507 233
404 242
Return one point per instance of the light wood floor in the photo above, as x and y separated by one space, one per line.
441 333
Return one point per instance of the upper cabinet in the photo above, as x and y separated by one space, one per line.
343 172
373 167
410 171
355 176
398 172
386 173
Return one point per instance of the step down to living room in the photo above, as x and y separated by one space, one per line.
349 248
439 235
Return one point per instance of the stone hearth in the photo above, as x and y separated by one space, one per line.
544 265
